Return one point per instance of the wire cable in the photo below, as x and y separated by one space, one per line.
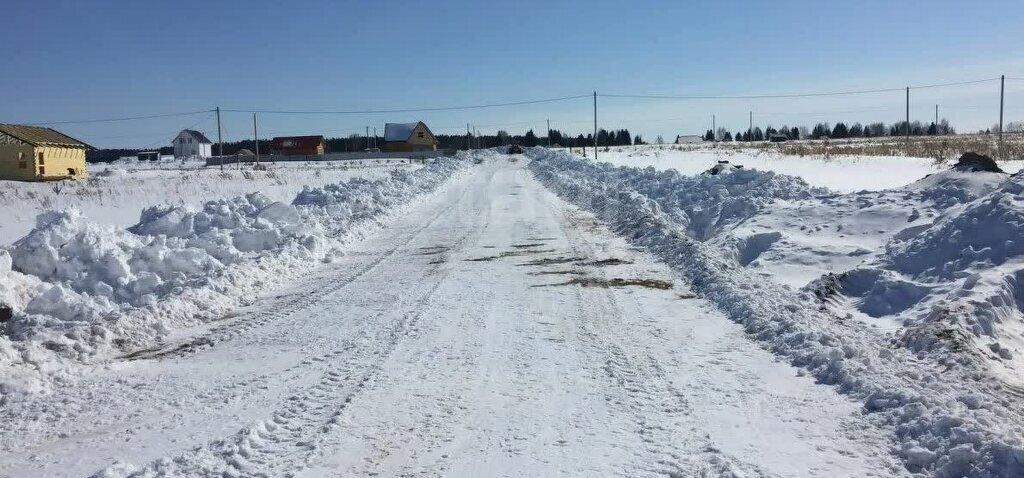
793 95
408 110
127 118
527 102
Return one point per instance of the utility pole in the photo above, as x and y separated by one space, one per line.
1002 90
714 133
750 128
549 133
936 119
908 121
595 125
256 136
374 136
220 141
367 137
469 144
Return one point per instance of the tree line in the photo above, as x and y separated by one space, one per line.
838 131
621 137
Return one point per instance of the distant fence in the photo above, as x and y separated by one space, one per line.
359 155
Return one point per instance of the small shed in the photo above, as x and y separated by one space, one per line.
34 153
298 145
689 138
408 137
148 155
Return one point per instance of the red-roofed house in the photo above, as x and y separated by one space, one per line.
298 145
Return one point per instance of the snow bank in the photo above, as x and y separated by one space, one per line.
704 204
947 419
79 291
116 196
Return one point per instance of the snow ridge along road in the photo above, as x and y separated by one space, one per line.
493 330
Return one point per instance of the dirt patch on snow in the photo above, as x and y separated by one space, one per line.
522 252
553 260
614 282
557 272
612 261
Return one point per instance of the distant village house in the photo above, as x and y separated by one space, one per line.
689 138
408 137
298 145
191 144
33 153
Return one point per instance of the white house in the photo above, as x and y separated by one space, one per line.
689 138
191 144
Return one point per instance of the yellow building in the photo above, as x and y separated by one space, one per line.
33 153
408 137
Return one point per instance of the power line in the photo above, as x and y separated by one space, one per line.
527 102
794 95
408 110
127 118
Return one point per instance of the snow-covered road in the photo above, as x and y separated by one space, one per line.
494 330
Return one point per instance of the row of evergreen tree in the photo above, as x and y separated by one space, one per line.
838 131
621 137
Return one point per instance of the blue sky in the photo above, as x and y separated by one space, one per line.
84 60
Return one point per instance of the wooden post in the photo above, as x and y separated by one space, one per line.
595 125
256 136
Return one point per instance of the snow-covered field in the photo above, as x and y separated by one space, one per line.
838 173
116 193
480 316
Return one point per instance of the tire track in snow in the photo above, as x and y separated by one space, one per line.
640 387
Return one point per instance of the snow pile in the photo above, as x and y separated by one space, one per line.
946 419
78 290
169 249
360 198
116 196
955 284
703 204
987 231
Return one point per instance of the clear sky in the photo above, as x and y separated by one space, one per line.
74 60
